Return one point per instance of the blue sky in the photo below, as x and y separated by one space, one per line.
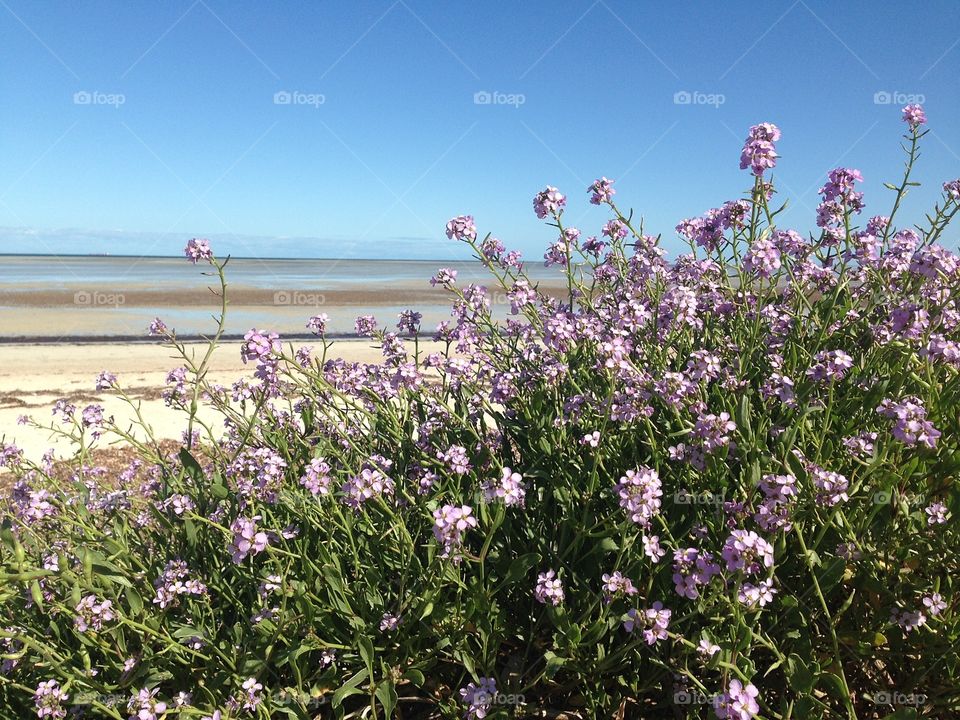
177 129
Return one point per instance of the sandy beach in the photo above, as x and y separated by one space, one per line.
34 377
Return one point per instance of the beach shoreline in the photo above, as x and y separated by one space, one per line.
33 377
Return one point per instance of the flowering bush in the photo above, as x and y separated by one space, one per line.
722 486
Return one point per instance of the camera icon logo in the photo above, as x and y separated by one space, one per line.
882 97
82 297
482 97
682 97
282 97
882 497
82 97
282 297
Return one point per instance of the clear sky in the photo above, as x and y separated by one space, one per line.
128 127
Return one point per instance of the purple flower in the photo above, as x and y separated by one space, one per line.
707 648
174 582
653 621
548 201
49 699
911 426
763 258
479 698
365 325
389 622
92 416
258 346
247 539
318 324
914 116
617 584
934 604
692 568
743 549
640 491
93 613
936 514
409 321
756 595
711 430
952 189
759 153
462 227
780 493
652 549
370 483
549 588
157 327
909 620
198 249
831 487
508 488
65 409
144 705
456 459
444 277
449 525
830 366
739 702
105 380
251 689
316 477
602 190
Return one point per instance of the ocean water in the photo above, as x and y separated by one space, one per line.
61 298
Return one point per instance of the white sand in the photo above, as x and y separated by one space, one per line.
34 377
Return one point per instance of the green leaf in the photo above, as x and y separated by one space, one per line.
387 695
800 675
36 594
347 689
191 465
609 544
554 663
743 417
191 529
833 684
519 568
365 646
134 601
415 676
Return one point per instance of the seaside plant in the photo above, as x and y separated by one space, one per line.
718 486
